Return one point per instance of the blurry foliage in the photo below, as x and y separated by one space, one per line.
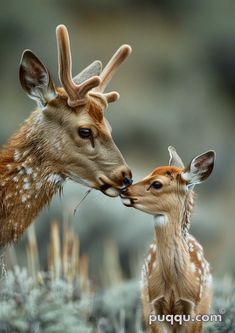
49 308
54 301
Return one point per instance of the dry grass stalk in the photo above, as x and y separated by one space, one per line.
32 253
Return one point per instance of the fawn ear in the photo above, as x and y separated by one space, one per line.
175 160
35 79
199 169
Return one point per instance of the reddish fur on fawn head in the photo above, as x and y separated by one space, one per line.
167 187
66 137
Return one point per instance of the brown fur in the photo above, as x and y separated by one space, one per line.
44 152
176 276
66 137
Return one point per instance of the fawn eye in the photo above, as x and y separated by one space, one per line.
85 133
156 185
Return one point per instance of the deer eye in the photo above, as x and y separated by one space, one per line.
84 133
156 185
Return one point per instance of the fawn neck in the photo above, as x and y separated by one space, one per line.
28 178
171 232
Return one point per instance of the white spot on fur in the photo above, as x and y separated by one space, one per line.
55 179
24 198
26 186
38 185
25 153
190 247
29 171
16 179
193 267
35 175
16 155
199 256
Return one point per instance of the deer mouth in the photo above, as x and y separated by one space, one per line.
109 190
127 201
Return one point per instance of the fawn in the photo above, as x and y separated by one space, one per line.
66 137
176 277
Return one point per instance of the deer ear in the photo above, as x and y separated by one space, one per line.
199 168
175 160
35 79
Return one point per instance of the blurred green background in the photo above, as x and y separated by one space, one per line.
177 88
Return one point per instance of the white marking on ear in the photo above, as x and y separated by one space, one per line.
199 169
35 79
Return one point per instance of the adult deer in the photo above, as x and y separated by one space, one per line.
66 137
176 277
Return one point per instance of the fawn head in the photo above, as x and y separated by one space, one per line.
72 119
168 186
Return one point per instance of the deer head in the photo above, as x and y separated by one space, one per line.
167 188
70 119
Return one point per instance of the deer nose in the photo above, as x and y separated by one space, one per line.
127 177
127 181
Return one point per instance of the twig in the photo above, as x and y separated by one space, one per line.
83 198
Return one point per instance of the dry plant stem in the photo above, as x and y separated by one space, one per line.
81 201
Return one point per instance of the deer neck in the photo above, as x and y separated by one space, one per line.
171 232
27 179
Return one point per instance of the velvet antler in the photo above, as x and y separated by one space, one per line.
76 92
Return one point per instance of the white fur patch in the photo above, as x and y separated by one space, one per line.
193 267
199 256
160 220
26 186
29 171
17 155
190 247
55 179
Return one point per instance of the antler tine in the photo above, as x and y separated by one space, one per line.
65 63
121 54
76 93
